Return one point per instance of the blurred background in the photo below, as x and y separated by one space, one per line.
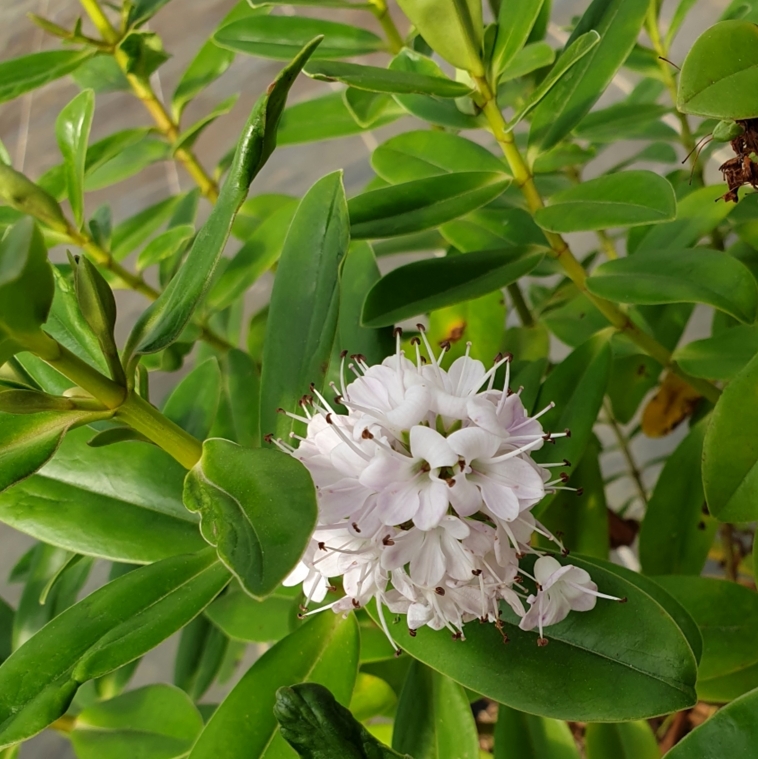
27 128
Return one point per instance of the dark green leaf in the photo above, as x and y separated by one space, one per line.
258 534
19 75
109 628
167 317
618 22
282 37
679 276
155 722
525 736
128 163
201 652
193 403
101 74
304 309
325 651
434 719
677 533
422 203
144 10
626 121
72 129
721 357
627 198
434 283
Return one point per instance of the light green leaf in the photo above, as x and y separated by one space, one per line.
372 697
537 55
626 121
624 740
19 75
189 136
135 230
72 129
697 275
514 24
199 657
526 736
193 403
165 245
721 357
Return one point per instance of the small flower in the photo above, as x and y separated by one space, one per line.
425 490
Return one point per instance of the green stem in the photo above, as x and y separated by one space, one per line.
100 20
624 446
520 304
394 38
561 251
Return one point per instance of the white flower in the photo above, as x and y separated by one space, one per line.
425 489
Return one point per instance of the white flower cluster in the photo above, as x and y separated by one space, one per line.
425 490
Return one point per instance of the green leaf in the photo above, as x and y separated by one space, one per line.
101 74
243 618
434 283
6 627
241 386
188 137
201 652
720 73
109 628
324 651
135 230
624 199
260 252
426 153
525 736
531 58
311 3
376 79
452 28
729 732
210 62
434 719
601 665
618 22
626 121
163 322
23 195
370 108
727 615
128 163
680 14
372 697
282 37
143 10
625 740
165 245
514 24
259 535
304 308
193 403
318 727
143 53
721 357
155 721
576 386
679 276
676 533
441 112
20 75
120 502
72 129
490 228
730 452
422 203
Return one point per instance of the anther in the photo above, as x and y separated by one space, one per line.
542 642
411 632
564 477
397 332
269 438
421 328
623 600
568 432
439 590
367 434
321 546
356 603
329 419
457 635
398 653
566 462
280 410
354 525
388 541
415 341
476 572
446 345
343 354
331 588
580 491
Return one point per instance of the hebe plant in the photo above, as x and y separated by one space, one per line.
431 463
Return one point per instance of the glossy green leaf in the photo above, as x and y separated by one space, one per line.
422 203
537 55
163 322
193 403
135 230
155 722
372 697
618 22
490 228
727 615
721 357
624 199
730 732
101 74
244 618
624 740
452 28
72 129
576 386
186 140
434 719
370 108
617 662
730 453
199 657
258 534
514 24
310 3
23 196
109 628
282 37
524 736
676 532
376 79
626 121
128 163
260 252
121 502
19 75
143 10
679 276
324 651
304 308
720 73
165 245
6 628
434 283
427 153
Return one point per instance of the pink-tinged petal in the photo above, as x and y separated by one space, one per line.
414 407
531 619
584 601
428 565
396 603
466 375
386 469
297 575
483 414
419 615
500 500
340 500
557 608
544 568
464 496
433 505
429 445
513 601
455 527
405 547
398 503
474 444
459 564
315 587
403 584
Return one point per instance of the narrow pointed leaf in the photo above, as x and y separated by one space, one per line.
721 357
514 23
19 75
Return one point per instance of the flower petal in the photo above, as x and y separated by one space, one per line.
429 445
474 444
